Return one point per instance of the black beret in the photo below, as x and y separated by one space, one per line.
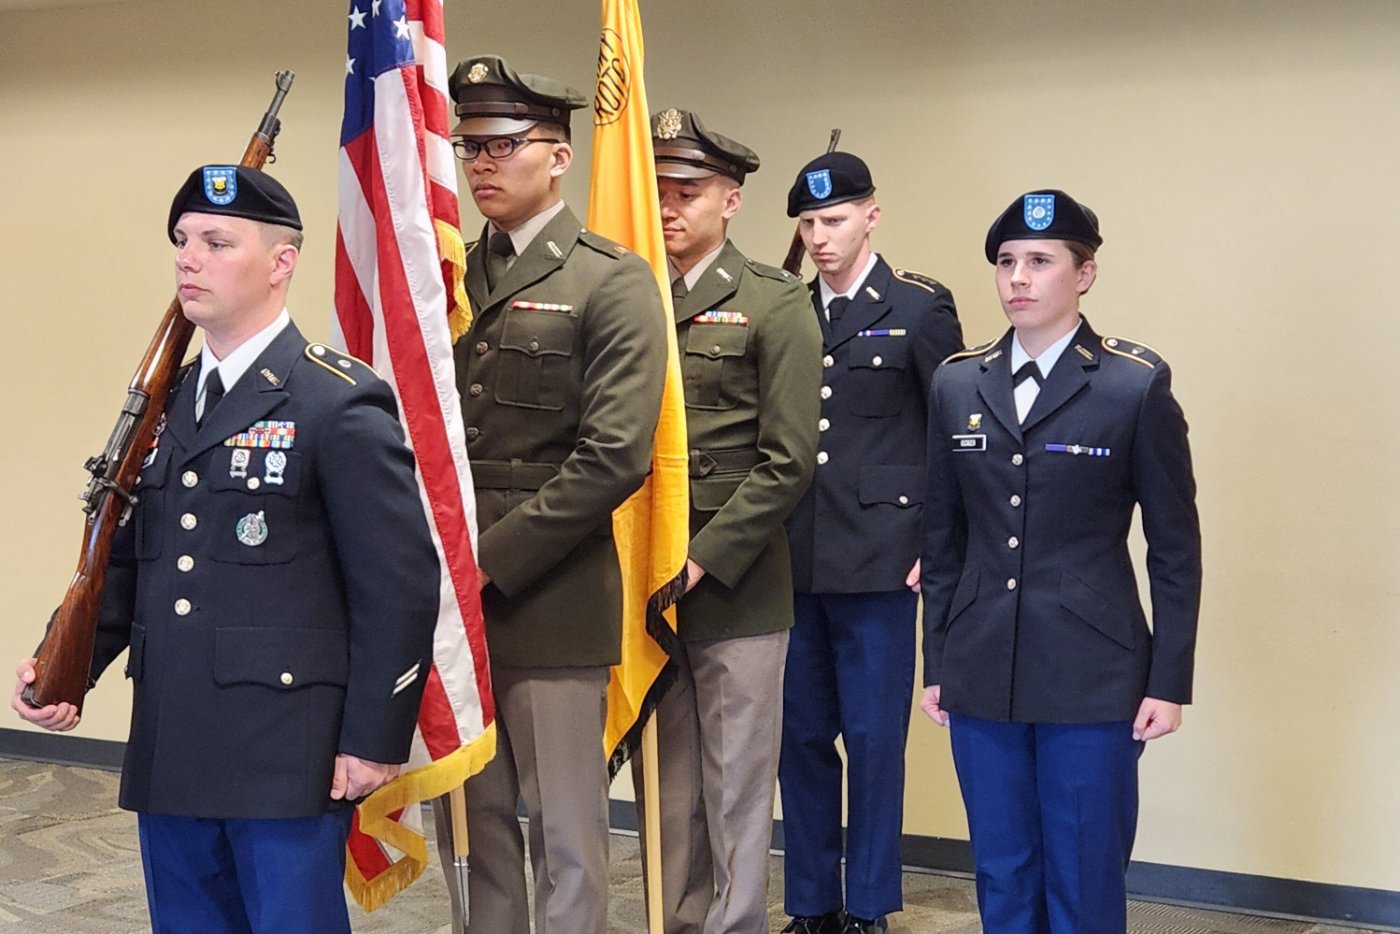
686 149
1048 214
834 178
484 86
234 191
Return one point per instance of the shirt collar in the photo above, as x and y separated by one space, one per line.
828 293
697 270
522 236
1048 357
241 357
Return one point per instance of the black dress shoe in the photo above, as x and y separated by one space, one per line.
856 925
830 923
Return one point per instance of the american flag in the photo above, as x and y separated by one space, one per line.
399 304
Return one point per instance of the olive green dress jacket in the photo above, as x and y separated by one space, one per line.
560 378
751 360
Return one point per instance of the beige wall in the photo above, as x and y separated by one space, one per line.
1241 155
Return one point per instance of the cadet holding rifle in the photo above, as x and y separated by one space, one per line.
275 586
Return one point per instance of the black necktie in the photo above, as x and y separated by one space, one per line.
213 392
678 291
500 250
837 308
1029 370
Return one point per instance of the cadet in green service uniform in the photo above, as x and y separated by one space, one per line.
561 378
751 362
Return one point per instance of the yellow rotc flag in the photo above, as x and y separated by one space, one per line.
652 527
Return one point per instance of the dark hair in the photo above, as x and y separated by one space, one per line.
1081 252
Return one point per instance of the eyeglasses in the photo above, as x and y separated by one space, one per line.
497 147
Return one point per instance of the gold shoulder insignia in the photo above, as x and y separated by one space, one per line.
970 352
919 279
335 361
766 271
602 244
1132 350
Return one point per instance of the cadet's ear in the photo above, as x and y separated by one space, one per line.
872 218
284 263
563 158
1086 274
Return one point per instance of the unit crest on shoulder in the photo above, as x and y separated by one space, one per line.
1132 350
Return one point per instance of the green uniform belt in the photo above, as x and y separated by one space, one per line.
732 461
511 475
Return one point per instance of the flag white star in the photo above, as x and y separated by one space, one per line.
357 19
374 7
349 66
401 28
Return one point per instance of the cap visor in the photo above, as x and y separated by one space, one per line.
682 170
491 126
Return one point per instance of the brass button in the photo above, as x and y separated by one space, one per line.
1013 542
188 521
822 457
828 360
714 351
1017 460
254 483
476 389
824 424
473 433
189 478
182 607
826 392
482 347
534 345
1011 584
185 563
287 678
1015 499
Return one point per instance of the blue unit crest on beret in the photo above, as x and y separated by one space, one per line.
220 184
819 183
1040 211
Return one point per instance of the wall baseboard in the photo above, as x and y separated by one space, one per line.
1207 888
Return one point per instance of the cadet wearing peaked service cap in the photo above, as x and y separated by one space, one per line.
561 378
750 361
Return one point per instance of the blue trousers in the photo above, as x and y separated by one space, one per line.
850 673
208 876
1052 810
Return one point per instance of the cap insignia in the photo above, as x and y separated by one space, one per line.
819 183
220 184
668 124
478 73
1039 211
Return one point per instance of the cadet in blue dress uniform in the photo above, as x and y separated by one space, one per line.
854 541
1036 647
276 587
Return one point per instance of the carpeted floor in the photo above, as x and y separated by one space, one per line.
69 864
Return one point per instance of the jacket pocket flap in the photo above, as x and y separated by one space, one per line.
899 485
539 333
879 353
711 493
1094 608
280 658
717 340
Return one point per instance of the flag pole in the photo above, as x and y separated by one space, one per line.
651 825
461 848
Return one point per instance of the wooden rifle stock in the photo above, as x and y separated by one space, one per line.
793 262
64 662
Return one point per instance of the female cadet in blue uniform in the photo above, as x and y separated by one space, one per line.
1036 648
